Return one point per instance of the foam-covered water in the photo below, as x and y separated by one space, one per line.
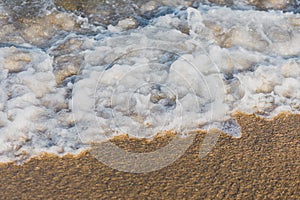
67 81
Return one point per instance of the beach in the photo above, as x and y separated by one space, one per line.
150 99
262 164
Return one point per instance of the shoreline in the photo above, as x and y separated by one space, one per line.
263 163
159 140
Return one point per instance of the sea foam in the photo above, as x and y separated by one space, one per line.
190 70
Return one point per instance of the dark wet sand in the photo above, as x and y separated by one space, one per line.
263 164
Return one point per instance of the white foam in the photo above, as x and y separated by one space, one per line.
151 79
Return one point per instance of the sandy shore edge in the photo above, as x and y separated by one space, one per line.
263 163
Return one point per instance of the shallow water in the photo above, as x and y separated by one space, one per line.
75 72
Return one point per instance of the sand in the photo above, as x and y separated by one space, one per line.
263 164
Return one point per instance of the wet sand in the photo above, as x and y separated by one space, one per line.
263 164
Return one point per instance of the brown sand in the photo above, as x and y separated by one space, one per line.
263 164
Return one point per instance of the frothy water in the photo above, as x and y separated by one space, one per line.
73 73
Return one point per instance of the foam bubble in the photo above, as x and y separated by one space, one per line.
152 79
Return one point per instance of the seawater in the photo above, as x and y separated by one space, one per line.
74 72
